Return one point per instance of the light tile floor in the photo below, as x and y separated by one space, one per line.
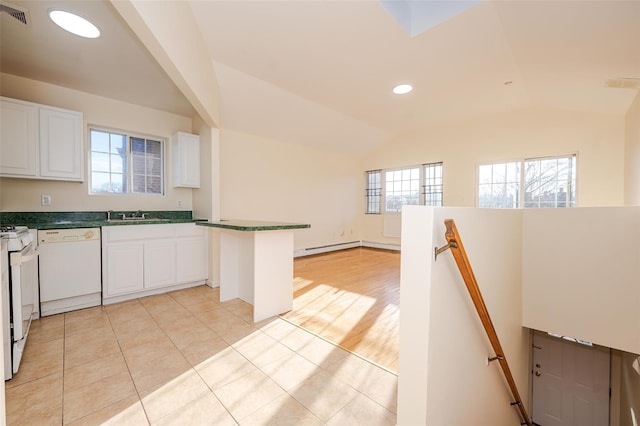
183 358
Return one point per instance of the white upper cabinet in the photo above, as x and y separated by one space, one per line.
61 148
186 160
18 138
40 142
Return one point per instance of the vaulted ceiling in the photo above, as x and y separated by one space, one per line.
321 72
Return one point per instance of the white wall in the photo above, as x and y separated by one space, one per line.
206 199
444 378
265 179
632 155
598 139
169 32
24 194
580 274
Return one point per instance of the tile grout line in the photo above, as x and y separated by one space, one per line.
382 367
237 421
193 368
230 346
229 341
127 364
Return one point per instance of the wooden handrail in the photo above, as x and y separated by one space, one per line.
460 256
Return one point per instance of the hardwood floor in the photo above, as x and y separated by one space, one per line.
351 298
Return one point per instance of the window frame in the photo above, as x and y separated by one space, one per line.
373 196
425 184
129 172
381 201
522 179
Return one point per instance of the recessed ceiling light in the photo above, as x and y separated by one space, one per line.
74 24
401 89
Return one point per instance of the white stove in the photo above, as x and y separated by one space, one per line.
20 297
18 237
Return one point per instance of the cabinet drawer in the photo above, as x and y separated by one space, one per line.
137 232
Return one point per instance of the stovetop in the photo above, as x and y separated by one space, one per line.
11 231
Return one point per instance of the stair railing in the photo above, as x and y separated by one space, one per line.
459 254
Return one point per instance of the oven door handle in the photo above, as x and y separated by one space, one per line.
17 258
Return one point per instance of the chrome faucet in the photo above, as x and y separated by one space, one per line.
109 214
139 214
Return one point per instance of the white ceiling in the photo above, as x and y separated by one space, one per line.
321 72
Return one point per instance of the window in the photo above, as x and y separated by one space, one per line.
432 188
547 182
374 191
550 182
125 164
499 185
406 186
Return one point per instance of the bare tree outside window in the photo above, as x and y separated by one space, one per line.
550 182
499 185
547 182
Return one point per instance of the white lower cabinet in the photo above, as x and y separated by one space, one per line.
159 263
139 260
192 258
124 268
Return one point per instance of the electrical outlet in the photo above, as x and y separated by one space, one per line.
179 203
45 200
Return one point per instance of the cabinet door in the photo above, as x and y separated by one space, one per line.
186 160
124 268
18 138
192 259
61 147
159 263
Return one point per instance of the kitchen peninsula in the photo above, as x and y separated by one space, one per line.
256 264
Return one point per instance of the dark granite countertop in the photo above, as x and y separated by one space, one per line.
253 225
97 224
64 220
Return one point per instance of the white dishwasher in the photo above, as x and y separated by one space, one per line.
70 272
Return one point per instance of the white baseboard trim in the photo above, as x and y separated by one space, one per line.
325 249
343 246
384 246
150 292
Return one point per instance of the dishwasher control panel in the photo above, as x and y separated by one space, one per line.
46 236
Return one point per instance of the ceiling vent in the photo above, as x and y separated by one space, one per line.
19 14
623 83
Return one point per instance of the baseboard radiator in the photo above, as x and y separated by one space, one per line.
343 246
